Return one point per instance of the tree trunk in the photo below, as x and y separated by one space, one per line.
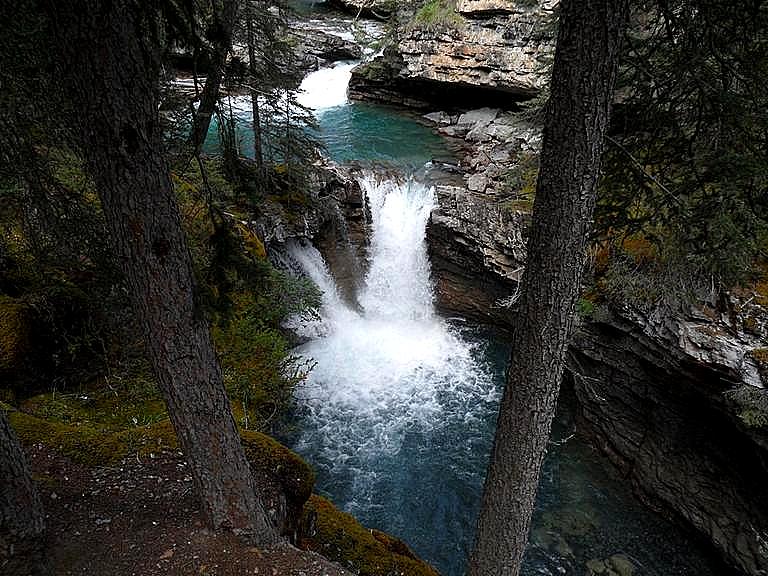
583 78
21 512
109 64
223 22
257 152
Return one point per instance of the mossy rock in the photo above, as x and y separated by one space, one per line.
15 332
279 472
340 538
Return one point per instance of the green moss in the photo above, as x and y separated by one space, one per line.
88 445
750 324
14 334
340 538
132 402
519 205
585 307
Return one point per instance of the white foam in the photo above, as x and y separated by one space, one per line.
327 87
397 367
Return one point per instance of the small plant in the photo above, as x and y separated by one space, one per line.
585 308
437 15
751 403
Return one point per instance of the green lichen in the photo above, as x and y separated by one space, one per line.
340 538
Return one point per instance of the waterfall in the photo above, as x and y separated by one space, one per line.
398 283
392 380
327 87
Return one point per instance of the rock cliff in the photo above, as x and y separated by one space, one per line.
660 394
450 54
652 394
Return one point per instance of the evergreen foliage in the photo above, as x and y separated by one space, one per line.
56 265
687 164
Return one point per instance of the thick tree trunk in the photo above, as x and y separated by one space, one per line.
109 67
583 78
21 512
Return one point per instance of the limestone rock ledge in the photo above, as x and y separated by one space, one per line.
477 250
651 395
499 49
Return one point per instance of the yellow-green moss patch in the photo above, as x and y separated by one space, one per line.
90 445
134 403
340 538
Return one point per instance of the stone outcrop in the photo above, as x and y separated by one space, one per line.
315 48
333 216
477 234
494 49
652 392
652 395
477 249
499 152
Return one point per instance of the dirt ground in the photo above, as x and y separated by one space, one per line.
140 518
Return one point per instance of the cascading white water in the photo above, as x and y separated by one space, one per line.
393 370
327 87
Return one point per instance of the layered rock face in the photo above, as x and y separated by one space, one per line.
477 234
334 218
477 249
651 389
491 51
651 395
500 44
315 48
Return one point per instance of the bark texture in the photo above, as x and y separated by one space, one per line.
583 78
224 14
21 512
109 65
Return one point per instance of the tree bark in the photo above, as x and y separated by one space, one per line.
256 123
583 78
223 23
109 64
21 513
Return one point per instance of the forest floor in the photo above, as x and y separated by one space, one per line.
141 518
